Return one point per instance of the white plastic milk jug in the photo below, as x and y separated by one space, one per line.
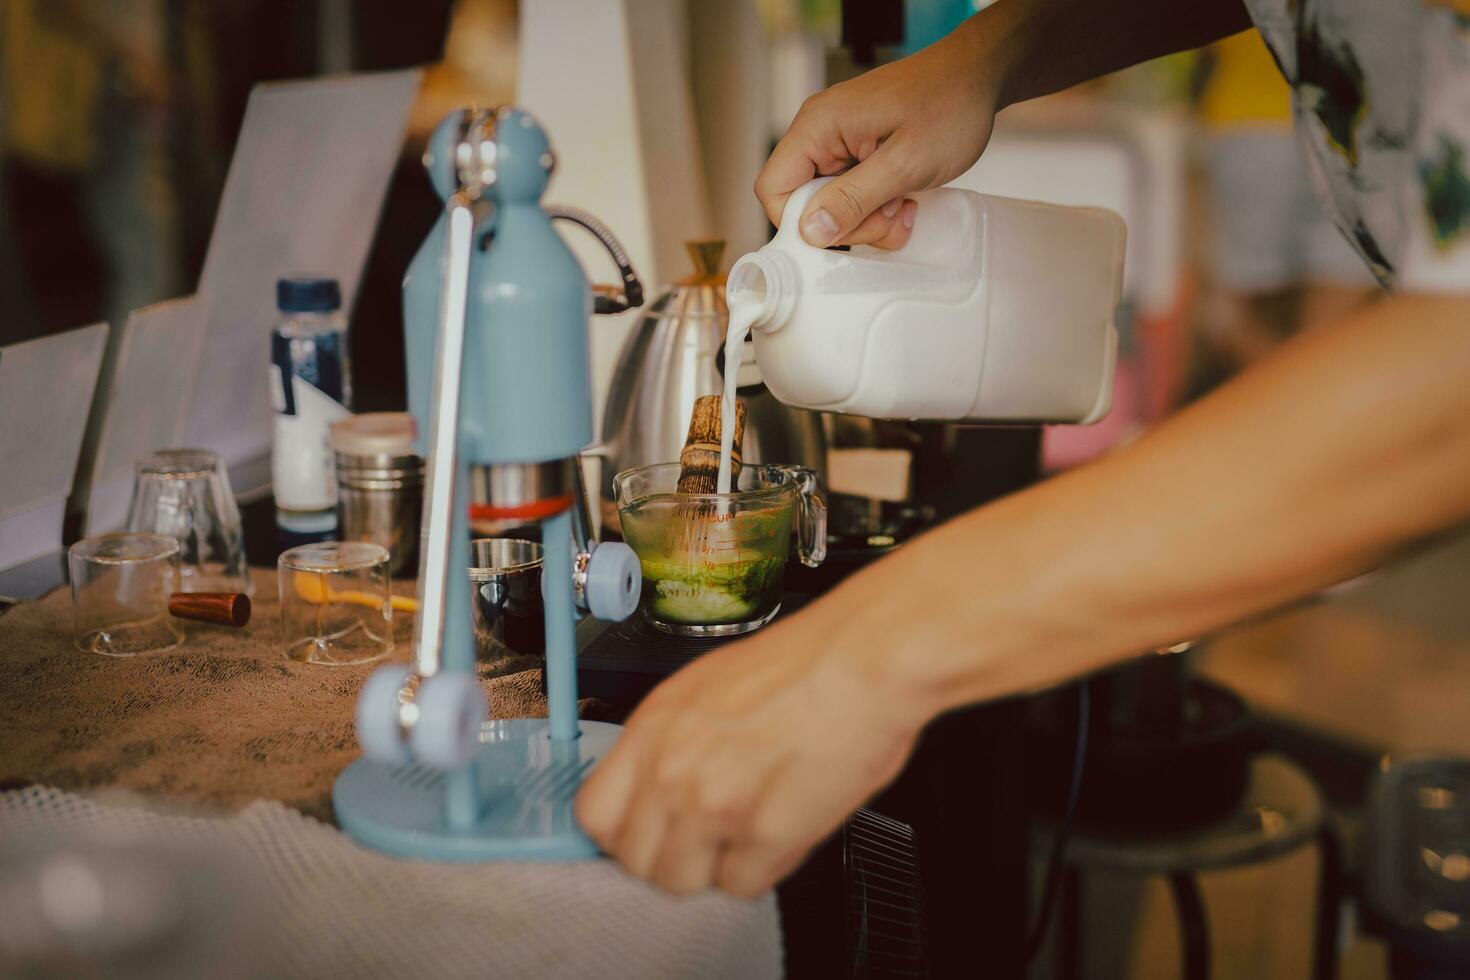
996 310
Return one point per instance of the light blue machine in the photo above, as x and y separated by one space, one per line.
496 311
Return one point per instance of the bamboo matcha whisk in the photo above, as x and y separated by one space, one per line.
699 460
699 472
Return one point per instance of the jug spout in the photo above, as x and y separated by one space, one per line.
763 286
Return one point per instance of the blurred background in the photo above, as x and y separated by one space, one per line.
118 121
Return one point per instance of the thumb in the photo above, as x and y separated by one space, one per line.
841 205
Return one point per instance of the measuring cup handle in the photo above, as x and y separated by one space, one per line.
811 522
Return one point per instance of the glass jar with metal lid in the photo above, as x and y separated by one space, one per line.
380 484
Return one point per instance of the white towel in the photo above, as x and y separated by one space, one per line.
270 892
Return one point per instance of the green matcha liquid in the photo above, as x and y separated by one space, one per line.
708 566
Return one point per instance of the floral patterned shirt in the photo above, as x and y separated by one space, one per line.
1381 94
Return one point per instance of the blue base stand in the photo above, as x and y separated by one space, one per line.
523 786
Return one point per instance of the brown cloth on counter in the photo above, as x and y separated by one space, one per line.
222 719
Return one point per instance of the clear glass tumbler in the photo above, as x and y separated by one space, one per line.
185 493
336 607
120 584
713 563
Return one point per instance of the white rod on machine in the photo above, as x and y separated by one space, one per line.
434 571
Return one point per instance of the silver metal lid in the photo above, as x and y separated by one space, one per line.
374 434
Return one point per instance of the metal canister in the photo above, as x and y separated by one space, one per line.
505 576
380 483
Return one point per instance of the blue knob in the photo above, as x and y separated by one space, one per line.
614 581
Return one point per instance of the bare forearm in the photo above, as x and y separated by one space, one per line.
1043 46
1351 441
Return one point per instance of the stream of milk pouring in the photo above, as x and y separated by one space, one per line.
742 314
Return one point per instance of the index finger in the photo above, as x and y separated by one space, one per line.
791 164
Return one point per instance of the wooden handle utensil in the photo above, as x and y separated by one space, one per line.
221 608
699 460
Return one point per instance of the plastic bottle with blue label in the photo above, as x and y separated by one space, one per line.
310 388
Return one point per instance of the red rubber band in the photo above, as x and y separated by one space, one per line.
534 510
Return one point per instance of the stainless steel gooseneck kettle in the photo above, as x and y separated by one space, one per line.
674 355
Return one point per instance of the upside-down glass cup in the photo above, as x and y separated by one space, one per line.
713 563
120 584
185 493
336 607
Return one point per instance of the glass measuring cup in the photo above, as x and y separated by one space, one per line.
713 563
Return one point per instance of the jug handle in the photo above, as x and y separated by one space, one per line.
791 214
811 518
929 240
